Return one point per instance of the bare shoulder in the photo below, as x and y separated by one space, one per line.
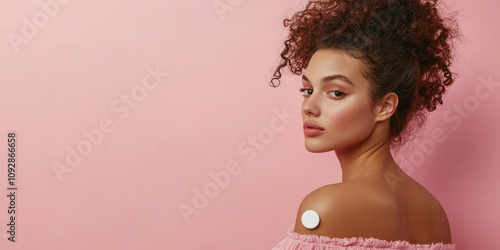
351 210
426 216
367 208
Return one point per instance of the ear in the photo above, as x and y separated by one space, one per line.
387 106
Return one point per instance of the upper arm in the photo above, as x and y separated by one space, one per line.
344 212
331 205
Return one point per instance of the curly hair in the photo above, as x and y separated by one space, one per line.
406 47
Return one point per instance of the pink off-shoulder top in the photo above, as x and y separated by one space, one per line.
298 241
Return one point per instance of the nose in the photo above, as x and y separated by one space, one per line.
310 106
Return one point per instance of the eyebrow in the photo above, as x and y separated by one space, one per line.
331 78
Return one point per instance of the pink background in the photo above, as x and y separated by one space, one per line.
75 66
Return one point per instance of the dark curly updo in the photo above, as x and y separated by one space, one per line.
405 47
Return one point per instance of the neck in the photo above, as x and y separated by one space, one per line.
369 157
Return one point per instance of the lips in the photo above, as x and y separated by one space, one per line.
312 125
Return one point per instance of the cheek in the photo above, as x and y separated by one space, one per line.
351 119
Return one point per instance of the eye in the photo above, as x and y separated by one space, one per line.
337 94
304 91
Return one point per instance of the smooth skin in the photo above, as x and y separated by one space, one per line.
376 198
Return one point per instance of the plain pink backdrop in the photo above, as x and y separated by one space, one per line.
71 72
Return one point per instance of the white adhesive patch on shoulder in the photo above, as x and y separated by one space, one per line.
310 219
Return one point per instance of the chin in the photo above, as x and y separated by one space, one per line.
318 148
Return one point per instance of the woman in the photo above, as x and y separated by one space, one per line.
373 68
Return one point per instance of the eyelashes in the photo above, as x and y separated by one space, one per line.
303 90
335 94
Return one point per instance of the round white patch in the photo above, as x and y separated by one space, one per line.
310 219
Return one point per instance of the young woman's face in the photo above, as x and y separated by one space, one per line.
336 98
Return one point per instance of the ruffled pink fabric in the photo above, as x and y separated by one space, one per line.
315 242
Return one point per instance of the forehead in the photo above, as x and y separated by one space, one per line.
326 62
